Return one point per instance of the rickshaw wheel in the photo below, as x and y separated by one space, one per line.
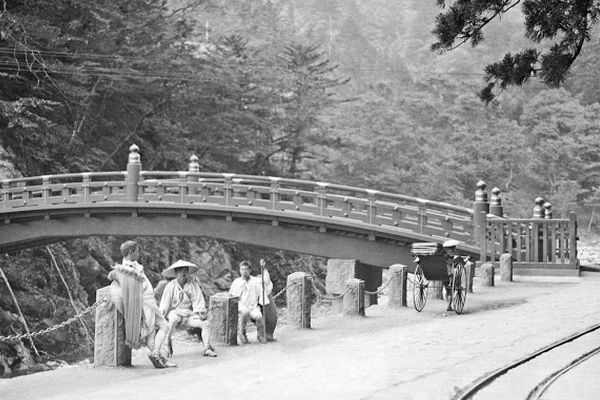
419 289
459 288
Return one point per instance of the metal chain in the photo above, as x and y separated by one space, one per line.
284 289
380 290
322 296
55 327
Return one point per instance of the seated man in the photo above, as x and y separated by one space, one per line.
183 303
249 290
133 294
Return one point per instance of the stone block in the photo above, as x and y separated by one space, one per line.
470 267
223 318
506 268
487 274
109 343
298 297
397 286
338 272
354 297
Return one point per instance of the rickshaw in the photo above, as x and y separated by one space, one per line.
439 262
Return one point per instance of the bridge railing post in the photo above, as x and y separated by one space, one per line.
86 186
5 185
481 235
321 197
134 166
573 240
228 188
538 228
481 207
193 167
274 192
372 197
46 189
496 203
422 217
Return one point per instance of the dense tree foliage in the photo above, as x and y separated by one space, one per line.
253 86
569 23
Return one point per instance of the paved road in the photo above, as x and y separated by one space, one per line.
390 354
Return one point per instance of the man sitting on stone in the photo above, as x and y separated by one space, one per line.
249 291
133 294
183 303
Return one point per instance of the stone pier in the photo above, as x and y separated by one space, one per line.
339 271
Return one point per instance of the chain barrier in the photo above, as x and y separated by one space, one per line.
380 290
321 296
284 289
55 327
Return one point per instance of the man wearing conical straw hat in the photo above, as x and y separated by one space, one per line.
183 303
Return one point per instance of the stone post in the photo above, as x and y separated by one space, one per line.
298 298
223 318
110 349
354 298
480 204
506 267
193 167
398 279
134 166
547 210
470 267
487 274
338 272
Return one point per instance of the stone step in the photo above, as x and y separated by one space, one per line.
545 272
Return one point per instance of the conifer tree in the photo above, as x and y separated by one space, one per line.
568 24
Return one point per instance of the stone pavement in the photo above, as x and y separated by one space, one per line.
390 354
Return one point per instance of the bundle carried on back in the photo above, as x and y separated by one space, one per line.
127 291
427 249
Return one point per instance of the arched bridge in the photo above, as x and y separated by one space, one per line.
315 218
308 217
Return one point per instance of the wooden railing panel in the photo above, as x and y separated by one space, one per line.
541 241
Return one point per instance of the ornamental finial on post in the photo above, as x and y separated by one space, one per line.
134 166
194 166
480 193
134 154
496 203
538 210
547 210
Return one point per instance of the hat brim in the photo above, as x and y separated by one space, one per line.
170 272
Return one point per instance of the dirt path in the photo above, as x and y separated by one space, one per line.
389 354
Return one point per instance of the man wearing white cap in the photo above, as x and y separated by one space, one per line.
183 303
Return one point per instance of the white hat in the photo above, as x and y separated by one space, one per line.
451 243
170 272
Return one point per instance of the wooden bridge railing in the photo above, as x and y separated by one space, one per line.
533 243
530 241
348 205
